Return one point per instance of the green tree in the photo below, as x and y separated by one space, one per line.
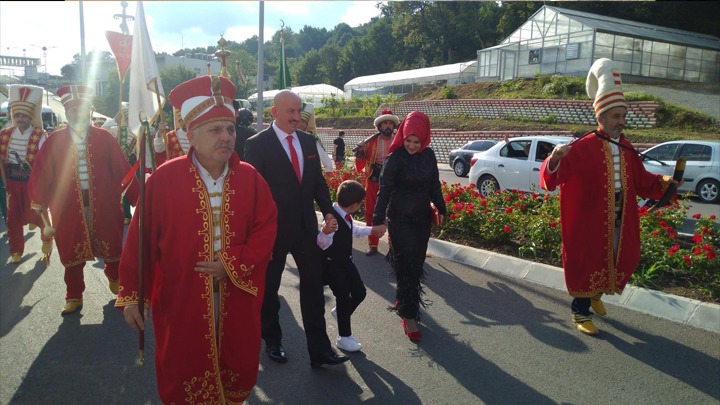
109 104
171 77
307 68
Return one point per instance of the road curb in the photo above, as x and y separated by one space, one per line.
667 306
656 303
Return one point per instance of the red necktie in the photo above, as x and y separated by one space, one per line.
348 218
294 158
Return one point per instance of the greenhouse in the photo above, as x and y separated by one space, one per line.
560 41
407 81
312 93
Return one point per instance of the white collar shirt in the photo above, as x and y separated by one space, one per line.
282 137
214 189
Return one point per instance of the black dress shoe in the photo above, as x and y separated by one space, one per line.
371 251
329 358
276 353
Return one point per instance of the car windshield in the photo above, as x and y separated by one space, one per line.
663 152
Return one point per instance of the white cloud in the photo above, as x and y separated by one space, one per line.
239 34
360 13
196 30
298 8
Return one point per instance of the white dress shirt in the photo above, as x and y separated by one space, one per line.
214 189
358 231
296 144
80 144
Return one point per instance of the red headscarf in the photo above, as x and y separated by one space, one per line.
416 123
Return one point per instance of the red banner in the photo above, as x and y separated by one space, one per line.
121 46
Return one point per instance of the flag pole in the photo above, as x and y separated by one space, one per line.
141 230
260 75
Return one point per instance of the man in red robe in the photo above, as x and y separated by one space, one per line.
19 146
599 182
173 144
209 230
370 157
77 175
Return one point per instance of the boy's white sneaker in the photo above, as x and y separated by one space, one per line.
333 312
349 344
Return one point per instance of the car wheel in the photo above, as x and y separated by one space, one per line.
709 191
487 185
460 168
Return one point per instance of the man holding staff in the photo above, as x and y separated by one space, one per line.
600 176
77 174
209 225
370 156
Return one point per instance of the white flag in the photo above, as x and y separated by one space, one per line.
145 85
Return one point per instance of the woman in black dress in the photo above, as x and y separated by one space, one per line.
409 181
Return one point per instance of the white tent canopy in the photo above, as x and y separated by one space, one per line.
312 93
406 81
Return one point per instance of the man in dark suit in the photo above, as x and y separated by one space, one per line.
288 161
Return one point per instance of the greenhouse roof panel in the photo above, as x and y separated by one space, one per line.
638 29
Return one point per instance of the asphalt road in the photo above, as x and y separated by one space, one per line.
696 206
487 339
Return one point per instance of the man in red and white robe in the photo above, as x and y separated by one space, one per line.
209 229
174 144
599 182
77 175
370 158
19 146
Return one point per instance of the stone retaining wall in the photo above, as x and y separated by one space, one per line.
442 140
641 114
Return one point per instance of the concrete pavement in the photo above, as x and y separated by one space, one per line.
488 338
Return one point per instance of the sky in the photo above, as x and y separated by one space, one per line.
171 24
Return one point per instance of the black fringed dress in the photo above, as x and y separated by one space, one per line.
408 183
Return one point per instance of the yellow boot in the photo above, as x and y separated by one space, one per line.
32 227
71 306
597 305
585 325
46 247
16 258
114 286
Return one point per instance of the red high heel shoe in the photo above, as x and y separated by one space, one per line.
412 335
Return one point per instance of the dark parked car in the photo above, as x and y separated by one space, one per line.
460 158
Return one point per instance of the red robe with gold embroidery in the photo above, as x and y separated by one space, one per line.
55 183
587 213
19 211
172 150
374 152
194 365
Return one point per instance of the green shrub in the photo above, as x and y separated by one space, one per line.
448 93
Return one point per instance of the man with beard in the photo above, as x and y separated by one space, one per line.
600 178
19 146
370 157
77 175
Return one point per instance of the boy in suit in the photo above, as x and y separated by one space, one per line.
336 242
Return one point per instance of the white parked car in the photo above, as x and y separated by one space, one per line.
702 170
512 166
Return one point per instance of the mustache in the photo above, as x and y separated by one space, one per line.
224 146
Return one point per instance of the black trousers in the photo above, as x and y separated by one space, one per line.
580 306
349 291
308 257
